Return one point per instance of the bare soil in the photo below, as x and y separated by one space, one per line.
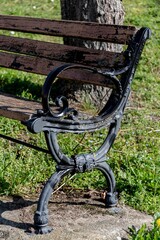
73 217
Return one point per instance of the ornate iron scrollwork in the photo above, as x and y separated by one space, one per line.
67 119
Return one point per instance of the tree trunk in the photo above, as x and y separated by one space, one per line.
102 11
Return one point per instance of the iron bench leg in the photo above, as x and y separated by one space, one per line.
41 215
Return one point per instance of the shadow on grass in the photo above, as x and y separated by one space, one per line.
21 87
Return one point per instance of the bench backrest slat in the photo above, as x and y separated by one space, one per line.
85 30
44 66
60 52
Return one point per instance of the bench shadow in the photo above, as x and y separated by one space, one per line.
19 203
92 202
16 203
19 86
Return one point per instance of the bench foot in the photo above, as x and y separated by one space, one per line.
111 199
41 222
43 230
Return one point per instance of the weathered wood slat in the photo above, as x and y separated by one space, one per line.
61 52
16 108
85 30
43 66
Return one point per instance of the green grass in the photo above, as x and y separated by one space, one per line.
135 155
45 9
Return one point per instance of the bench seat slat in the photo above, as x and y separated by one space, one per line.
61 52
43 66
17 108
83 30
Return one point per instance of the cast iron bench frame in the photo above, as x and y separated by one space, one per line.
109 69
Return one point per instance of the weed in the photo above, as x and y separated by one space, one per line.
146 233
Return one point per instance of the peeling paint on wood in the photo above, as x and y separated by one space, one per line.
85 30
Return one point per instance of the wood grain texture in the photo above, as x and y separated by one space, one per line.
84 30
63 53
17 108
44 66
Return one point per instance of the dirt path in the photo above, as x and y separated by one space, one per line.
73 218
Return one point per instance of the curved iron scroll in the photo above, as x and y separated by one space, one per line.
67 120
111 80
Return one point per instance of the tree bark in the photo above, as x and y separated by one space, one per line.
102 11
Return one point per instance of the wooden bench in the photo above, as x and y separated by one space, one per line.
113 70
